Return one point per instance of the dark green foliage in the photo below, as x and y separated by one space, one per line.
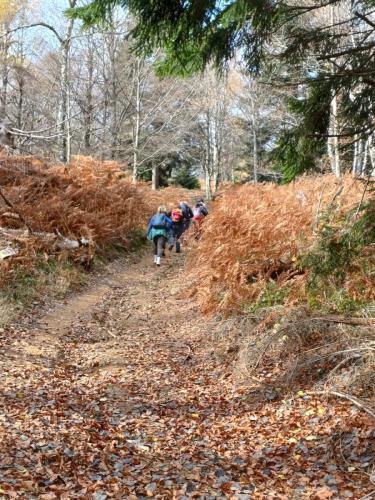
337 253
299 148
185 179
272 295
173 169
216 28
330 60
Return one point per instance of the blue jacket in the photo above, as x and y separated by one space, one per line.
152 232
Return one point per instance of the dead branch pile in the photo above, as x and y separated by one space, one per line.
255 234
298 348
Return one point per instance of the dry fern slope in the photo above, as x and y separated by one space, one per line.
255 237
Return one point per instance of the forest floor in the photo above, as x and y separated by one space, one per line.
117 393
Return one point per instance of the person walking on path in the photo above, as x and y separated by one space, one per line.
178 227
187 213
159 232
200 211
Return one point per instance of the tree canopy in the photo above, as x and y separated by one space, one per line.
325 47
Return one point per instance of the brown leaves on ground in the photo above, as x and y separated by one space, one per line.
256 233
132 404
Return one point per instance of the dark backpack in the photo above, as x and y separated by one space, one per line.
159 222
203 210
186 211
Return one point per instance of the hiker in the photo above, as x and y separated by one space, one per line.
200 211
178 227
187 213
159 231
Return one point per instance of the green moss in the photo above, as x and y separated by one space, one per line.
272 295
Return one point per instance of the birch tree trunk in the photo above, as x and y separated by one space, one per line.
4 56
208 188
215 147
359 156
208 160
113 92
333 140
64 105
88 106
137 117
255 154
333 150
370 146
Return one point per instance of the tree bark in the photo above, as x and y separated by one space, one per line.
208 188
136 119
207 164
4 48
333 142
88 106
255 154
113 92
155 177
64 106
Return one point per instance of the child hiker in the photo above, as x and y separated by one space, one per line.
200 211
177 227
159 232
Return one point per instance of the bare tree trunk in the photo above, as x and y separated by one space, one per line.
335 158
208 188
255 154
370 145
359 156
215 155
4 48
218 124
136 119
62 115
113 93
208 161
88 107
355 155
364 161
64 106
20 98
333 141
104 126
155 177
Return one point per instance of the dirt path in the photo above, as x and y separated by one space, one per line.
117 394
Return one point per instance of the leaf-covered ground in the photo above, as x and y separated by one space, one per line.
118 394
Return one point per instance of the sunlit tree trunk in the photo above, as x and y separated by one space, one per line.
137 117
64 106
155 176
88 105
4 56
333 140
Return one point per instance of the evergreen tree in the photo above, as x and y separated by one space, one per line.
186 179
327 47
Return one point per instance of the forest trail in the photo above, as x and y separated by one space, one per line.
118 394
